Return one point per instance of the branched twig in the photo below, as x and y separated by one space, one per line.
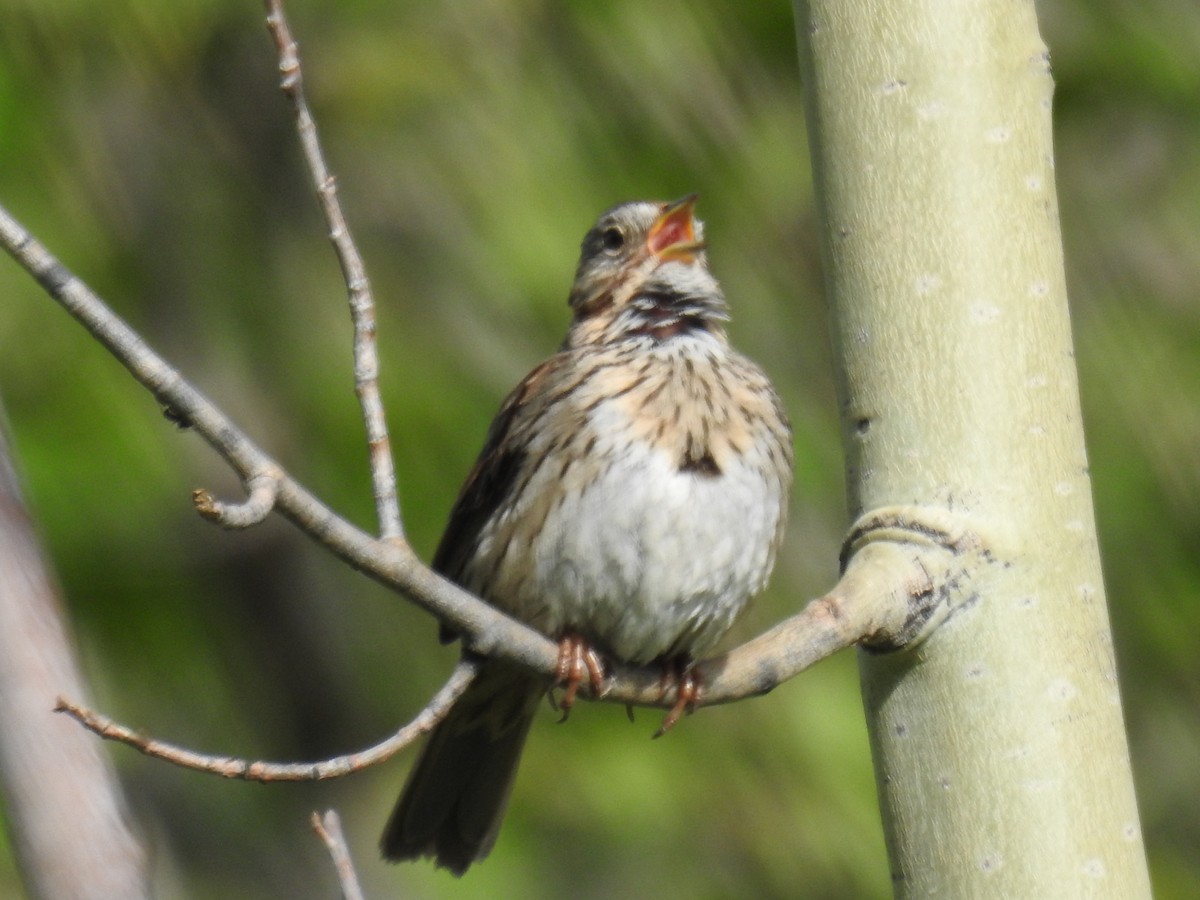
329 830
250 770
826 625
886 598
362 303
391 562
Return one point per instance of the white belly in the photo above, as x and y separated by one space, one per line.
647 508
650 560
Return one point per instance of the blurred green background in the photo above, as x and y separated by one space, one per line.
146 144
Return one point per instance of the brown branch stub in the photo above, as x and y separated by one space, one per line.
329 829
262 491
354 273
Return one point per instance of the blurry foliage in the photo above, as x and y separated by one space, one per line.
146 144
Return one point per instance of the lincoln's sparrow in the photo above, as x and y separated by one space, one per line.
630 498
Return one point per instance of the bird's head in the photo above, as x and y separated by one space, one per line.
643 271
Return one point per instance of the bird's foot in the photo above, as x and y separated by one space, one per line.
577 659
680 672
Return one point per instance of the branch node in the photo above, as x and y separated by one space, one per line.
944 556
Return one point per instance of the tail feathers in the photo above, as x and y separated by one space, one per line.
453 803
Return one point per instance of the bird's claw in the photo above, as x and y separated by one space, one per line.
688 688
576 659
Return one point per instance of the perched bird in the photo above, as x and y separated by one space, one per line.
629 501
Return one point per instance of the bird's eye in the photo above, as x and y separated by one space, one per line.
612 239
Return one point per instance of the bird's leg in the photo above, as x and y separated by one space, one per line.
577 658
688 688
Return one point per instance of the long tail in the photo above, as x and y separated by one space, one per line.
454 800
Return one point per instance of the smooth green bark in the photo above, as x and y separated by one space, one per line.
999 745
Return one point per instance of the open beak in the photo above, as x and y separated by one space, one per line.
673 234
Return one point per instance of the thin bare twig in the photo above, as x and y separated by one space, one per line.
251 770
362 303
329 830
